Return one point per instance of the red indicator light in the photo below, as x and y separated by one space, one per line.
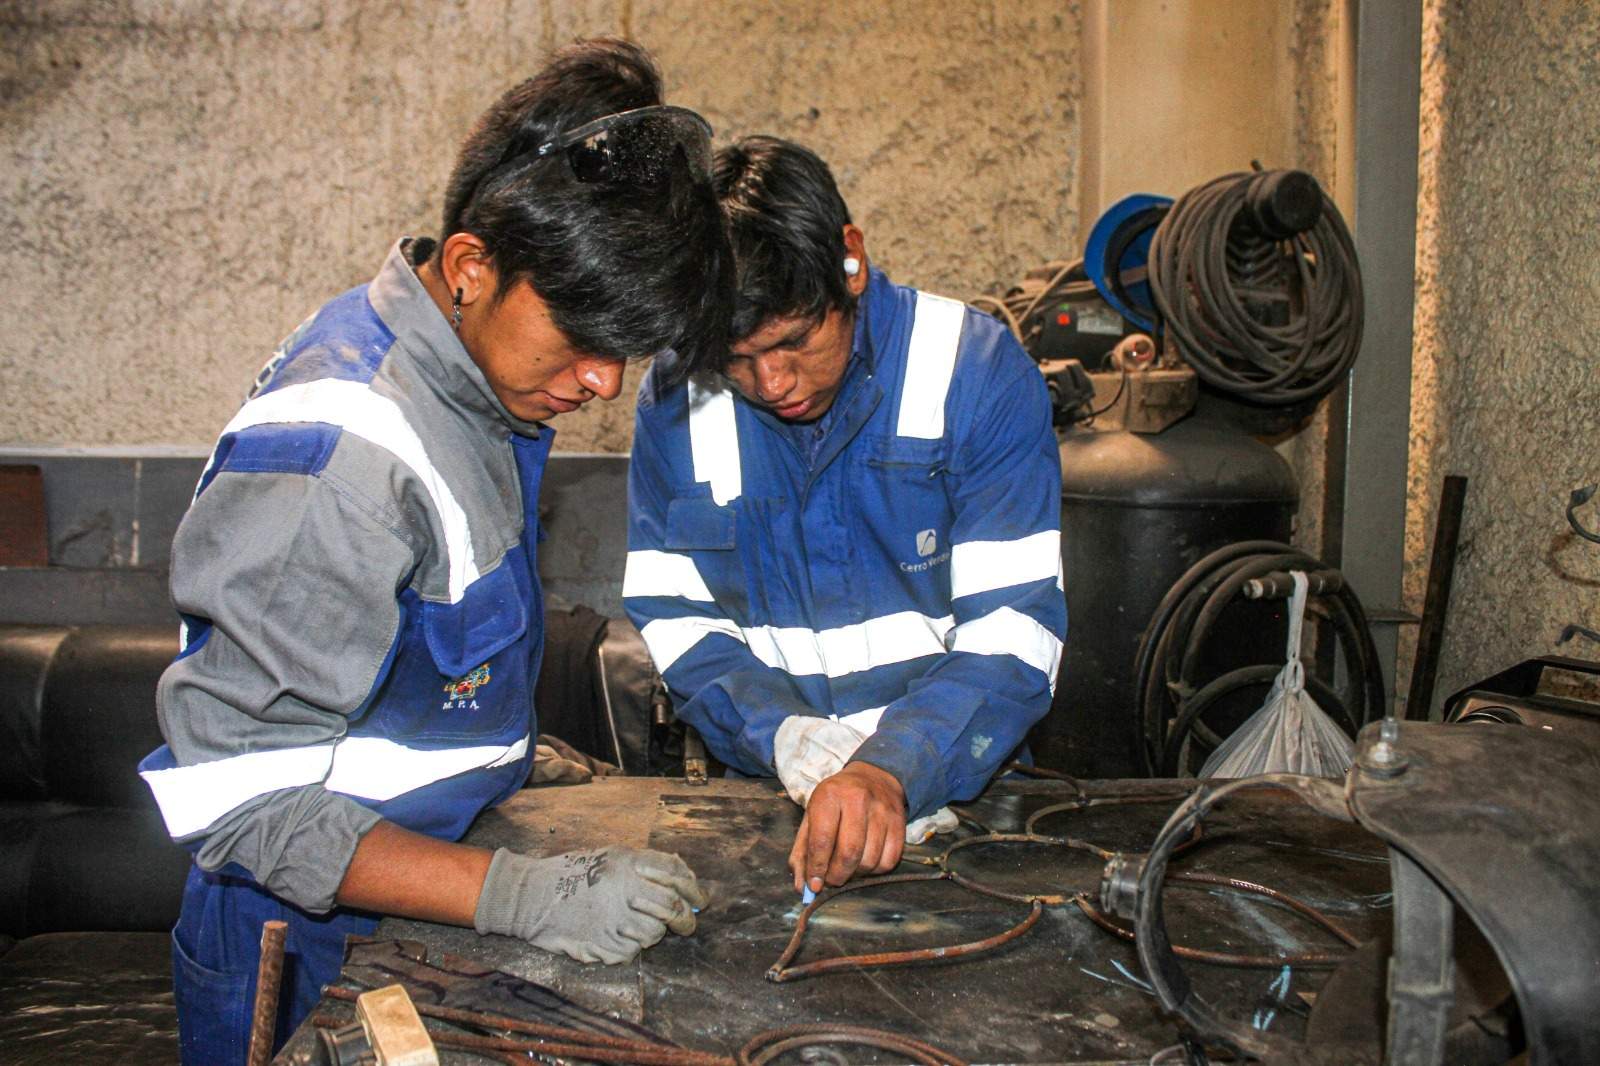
1063 319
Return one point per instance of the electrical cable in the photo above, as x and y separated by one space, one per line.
1023 306
1131 888
1261 311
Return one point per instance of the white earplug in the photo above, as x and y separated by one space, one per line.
852 265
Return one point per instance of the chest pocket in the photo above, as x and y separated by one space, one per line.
903 483
736 548
463 672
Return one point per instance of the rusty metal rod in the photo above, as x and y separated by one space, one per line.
902 958
645 1056
781 971
1224 958
1010 838
509 1024
269 979
1298 906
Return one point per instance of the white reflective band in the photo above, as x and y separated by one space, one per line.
193 797
862 721
985 565
669 638
378 769
658 573
893 638
714 440
930 360
1009 632
357 410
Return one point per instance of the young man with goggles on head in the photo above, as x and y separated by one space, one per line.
357 574
844 550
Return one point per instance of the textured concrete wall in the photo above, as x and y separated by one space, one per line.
189 179
1320 58
1505 389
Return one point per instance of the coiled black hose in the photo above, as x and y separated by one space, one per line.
1172 695
1263 310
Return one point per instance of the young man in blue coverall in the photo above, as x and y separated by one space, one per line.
844 548
357 574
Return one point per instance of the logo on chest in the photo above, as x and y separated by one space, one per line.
460 694
927 546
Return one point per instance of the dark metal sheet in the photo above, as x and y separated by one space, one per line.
1065 992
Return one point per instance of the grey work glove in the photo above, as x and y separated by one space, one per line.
595 906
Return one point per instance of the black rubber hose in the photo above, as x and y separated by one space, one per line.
1158 624
1233 681
1197 619
1210 264
1166 681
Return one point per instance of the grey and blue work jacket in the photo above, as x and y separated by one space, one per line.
362 614
901 573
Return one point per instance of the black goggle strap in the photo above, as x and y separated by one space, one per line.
636 147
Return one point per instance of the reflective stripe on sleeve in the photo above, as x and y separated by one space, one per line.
864 722
883 641
669 638
659 573
714 440
985 565
194 797
930 362
359 411
893 638
1009 632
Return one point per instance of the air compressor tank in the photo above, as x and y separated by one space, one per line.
1137 510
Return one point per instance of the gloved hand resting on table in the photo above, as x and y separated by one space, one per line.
605 905
849 830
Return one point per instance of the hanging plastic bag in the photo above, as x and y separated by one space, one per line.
1290 733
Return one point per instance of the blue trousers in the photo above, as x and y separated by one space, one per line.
216 947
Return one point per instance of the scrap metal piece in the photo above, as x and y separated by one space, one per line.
694 757
394 1028
269 979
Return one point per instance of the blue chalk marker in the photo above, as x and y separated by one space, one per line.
806 896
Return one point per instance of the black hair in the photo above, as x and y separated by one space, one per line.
786 221
626 270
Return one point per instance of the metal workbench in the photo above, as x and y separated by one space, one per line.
1065 992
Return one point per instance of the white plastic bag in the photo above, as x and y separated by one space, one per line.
1290 733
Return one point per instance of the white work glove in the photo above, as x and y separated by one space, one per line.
808 750
943 820
595 906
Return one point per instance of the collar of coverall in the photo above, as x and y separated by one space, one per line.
405 306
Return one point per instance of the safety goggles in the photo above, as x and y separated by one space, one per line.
638 147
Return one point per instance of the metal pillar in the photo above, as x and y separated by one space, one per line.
1376 414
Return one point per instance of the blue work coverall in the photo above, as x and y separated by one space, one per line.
362 632
901 572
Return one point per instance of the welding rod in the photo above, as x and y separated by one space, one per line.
269 977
